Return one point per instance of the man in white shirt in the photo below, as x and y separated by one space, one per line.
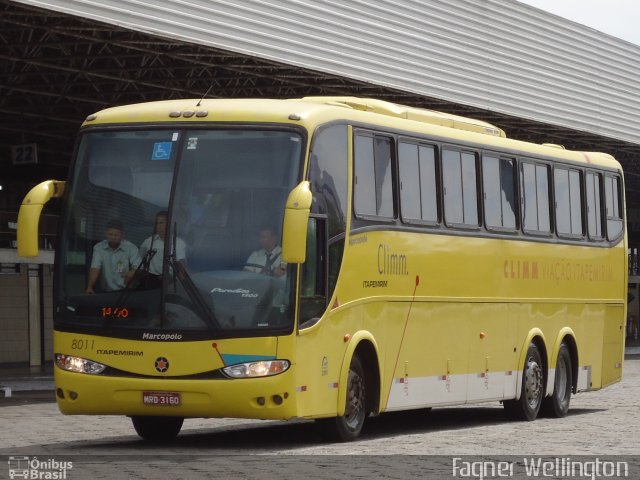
155 243
268 259
114 260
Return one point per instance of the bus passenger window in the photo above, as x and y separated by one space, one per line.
373 176
384 177
499 192
409 181
364 188
614 212
568 199
460 188
418 191
594 206
575 191
535 193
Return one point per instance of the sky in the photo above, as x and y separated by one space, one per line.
619 18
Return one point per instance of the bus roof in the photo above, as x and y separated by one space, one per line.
311 112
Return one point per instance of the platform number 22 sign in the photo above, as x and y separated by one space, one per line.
24 154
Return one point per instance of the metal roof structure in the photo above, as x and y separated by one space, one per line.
538 77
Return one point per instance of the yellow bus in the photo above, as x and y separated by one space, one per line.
418 259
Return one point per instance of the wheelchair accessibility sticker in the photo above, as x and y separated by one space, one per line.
161 151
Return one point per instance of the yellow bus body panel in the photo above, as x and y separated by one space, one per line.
477 305
136 360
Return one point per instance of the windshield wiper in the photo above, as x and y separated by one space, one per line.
143 268
201 307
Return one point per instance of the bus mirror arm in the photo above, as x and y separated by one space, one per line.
29 215
296 217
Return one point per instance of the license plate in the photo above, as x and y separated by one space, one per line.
161 399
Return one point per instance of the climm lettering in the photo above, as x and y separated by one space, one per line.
391 263
521 270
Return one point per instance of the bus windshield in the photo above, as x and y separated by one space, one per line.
178 230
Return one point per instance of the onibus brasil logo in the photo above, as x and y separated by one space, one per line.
33 468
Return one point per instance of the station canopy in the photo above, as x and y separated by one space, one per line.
56 69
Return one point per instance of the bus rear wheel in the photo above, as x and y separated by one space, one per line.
557 405
530 401
157 429
347 427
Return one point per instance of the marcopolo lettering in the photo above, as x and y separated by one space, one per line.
161 336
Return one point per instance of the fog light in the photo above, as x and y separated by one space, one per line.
73 395
60 393
277 399
260 401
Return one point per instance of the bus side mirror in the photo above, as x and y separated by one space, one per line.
29 215
296 218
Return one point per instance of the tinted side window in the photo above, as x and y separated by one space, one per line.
535 198
328 175
542 187
499 192
460 188
568 197
594 206
384 177
575 193
373 191
409 181
563 210
614 207
428 187
418 194
365 181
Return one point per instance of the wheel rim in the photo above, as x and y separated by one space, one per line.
355 401
561 380
533 383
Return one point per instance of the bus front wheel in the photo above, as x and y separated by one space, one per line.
557 405
530 401
347 427
157 429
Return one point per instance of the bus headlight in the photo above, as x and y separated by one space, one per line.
79 365
264 368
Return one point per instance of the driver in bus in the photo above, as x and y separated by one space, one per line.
268 259
114 260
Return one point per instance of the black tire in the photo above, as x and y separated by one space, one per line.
348 426
557 405
157 429
532 391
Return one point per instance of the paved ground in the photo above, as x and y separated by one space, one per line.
603 423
